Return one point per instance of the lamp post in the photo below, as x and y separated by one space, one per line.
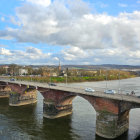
106 79
50 75
31 75
66 79
119 82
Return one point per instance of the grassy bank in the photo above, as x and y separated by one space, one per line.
71 79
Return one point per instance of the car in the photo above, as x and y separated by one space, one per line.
12 79
89 90
51 84
110 91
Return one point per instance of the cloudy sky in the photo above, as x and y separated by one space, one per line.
74 31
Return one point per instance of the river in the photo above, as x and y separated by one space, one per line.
27 122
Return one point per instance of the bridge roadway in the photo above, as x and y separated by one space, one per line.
78 91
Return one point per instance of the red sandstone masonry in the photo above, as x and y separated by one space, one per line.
106 104
101 104
56 95
18 88
5 88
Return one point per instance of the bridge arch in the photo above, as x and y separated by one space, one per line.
62 100
83 118
20 94
112 116
134 121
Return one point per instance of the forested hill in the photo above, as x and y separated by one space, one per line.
104 66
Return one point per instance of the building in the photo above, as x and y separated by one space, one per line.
23 71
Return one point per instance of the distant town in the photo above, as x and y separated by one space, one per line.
69 73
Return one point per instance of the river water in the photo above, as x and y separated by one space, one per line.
27 122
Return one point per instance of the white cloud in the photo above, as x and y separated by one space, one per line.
74 53
122 5
2 45
30 56
103 5
90 37
14 21
2 19
135 54
34 51
5 52
65 26
40 2
56 58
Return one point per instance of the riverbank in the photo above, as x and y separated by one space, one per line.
72 79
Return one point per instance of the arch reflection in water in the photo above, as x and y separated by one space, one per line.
57 129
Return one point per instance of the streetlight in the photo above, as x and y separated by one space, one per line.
66 79
50 75
119 82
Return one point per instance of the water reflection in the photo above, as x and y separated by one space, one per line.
19 123
122 137
16 122
23 124
57 129
138 138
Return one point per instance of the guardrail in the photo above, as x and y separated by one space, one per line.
71 88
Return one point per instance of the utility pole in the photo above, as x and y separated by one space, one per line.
66 79
119 82
106 79
66 76
31 74
50 75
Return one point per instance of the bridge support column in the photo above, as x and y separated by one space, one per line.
110 125
22 95
4 91
56 103
52 111
112 116
17 99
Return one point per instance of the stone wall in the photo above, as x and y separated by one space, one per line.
4 91
28 97
56 103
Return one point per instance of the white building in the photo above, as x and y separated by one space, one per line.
23 71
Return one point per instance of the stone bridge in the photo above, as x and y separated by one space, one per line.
112 110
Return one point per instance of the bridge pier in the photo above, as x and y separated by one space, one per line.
110 125
22 95
56 103
52 111
4 90
112 116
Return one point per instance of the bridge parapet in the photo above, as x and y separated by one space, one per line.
77 91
